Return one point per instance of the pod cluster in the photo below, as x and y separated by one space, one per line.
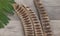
29 19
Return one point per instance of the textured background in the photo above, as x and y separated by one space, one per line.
52 7
14 28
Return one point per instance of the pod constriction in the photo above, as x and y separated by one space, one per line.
30 21
43 17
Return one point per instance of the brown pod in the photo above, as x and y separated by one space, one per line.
25 20
29 19
43 17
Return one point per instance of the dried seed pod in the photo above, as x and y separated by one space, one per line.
43 17
30 21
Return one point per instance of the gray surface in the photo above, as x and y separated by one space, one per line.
14 28
52 7
55 24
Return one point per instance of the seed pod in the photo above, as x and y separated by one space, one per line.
43 17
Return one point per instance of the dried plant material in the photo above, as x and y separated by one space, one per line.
43 17
30 21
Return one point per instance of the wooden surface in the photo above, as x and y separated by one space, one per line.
14 28
52 7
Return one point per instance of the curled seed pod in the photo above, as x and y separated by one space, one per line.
30 21
43 18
